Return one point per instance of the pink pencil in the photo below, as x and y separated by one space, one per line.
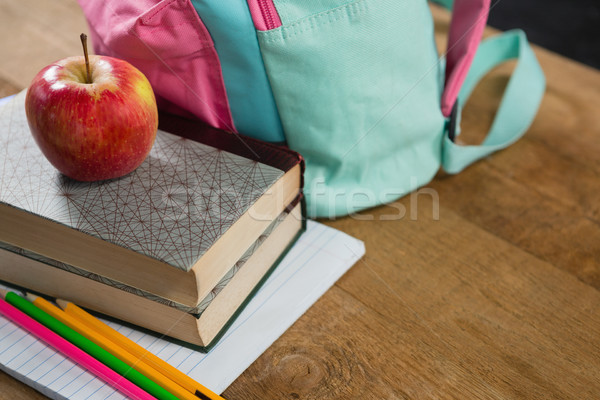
74 353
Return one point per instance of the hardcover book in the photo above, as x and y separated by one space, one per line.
174 227
177 246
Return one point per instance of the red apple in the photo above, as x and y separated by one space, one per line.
94 130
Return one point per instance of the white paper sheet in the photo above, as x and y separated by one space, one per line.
317 260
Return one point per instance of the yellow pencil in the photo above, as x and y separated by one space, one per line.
112 348
127 344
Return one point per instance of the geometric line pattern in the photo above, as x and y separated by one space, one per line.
172 208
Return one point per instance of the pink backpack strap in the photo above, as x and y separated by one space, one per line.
466 28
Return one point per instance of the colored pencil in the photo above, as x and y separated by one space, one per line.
88 346
72 352
102 341
138 351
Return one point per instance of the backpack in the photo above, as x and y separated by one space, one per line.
355 86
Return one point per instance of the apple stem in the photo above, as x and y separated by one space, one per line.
83 38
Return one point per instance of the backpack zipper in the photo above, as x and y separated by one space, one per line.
264 14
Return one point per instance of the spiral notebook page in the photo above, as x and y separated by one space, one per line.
317 260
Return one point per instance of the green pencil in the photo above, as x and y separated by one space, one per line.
89 347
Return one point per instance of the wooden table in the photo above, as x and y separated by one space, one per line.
496 299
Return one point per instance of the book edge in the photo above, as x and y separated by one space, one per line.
206 348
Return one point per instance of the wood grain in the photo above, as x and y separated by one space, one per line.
495 298
35 33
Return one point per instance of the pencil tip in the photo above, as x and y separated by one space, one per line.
3 293
61 303
31 297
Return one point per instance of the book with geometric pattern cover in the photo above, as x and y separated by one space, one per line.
166 217
192 191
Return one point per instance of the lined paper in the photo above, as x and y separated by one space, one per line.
318 259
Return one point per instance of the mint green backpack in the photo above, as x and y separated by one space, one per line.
363 96
355 86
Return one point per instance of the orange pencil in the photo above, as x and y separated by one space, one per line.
108 345
165 368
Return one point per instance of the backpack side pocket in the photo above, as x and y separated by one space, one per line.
168 42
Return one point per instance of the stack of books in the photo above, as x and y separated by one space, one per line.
178 247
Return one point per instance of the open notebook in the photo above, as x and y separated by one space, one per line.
316 261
